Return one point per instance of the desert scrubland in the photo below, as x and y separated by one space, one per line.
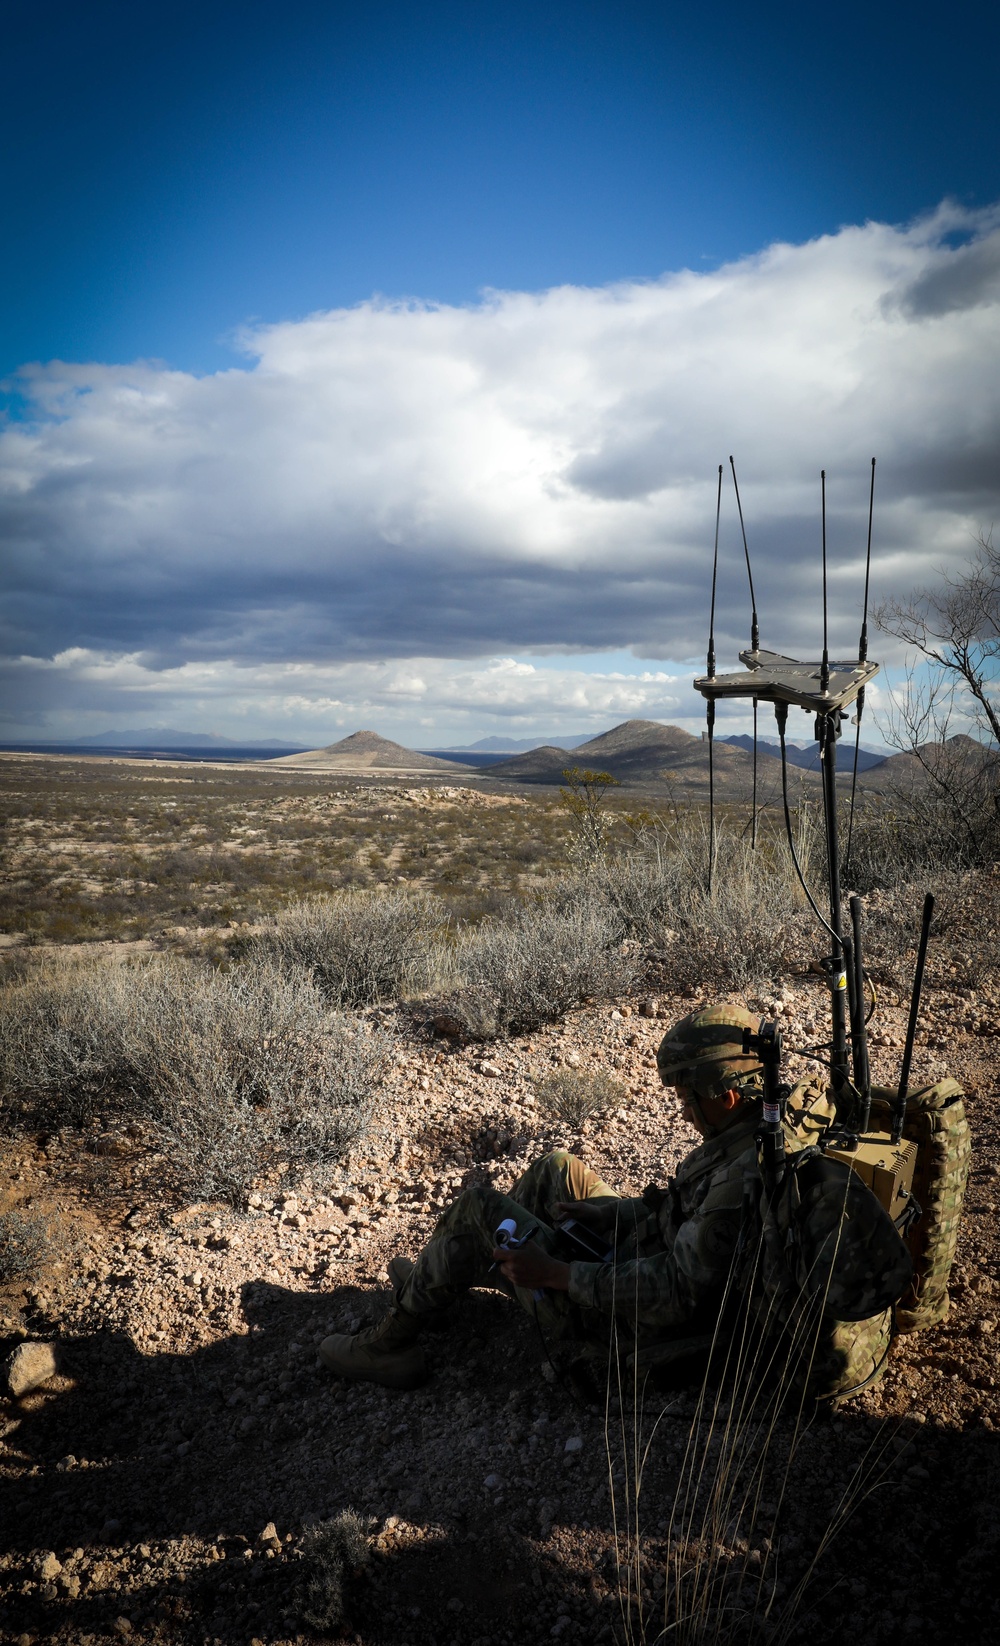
258 1028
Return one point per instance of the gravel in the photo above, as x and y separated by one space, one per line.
161 1485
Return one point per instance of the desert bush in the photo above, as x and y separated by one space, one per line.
744 930
24 1245
912 830
965 930
360 947
236 1071
533 964
335 1553
574 1095
649 886
738 931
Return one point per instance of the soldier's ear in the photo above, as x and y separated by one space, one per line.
730 1100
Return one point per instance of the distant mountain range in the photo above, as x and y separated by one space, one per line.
637 752
165 737
806 755
515 745
643 752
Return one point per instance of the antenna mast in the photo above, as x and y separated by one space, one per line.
862 658
710 701
823 689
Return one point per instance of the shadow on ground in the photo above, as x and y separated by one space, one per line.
164 1470
150 1481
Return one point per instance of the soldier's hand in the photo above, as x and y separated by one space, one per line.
530 1267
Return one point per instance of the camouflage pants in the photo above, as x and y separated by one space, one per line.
459 1254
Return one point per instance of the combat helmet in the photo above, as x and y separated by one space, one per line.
705 1051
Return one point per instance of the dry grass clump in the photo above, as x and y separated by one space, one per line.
737 930
574 1095
25 1244
335 1554
359 947
537 962
730 1565
235 1072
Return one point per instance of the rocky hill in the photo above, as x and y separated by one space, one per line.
647 754
957 760
366 751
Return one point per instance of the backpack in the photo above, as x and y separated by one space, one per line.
820 1269
935 1121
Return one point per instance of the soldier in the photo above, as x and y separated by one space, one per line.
671 1250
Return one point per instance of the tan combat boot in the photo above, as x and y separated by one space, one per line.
387 1353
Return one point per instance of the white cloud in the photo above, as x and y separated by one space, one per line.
311 701
534 473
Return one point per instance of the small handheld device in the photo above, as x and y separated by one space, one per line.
581 1243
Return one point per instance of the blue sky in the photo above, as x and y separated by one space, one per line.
187 184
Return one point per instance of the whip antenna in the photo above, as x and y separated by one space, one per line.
772 677
710 702
899 1106
754 625
753 826
715 576
862 658
824 684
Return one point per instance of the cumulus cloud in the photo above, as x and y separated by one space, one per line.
403 483
308 700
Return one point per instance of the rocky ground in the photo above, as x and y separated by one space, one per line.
161 1486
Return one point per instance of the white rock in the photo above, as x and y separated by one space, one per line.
29 1365
573 1444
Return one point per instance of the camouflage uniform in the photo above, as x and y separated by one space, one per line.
673 1248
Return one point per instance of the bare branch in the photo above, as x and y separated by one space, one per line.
956 628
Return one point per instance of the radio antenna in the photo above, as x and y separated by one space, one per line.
862 658
824 682
715 577
824 690
753 825
754 625
710 702
899 1106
